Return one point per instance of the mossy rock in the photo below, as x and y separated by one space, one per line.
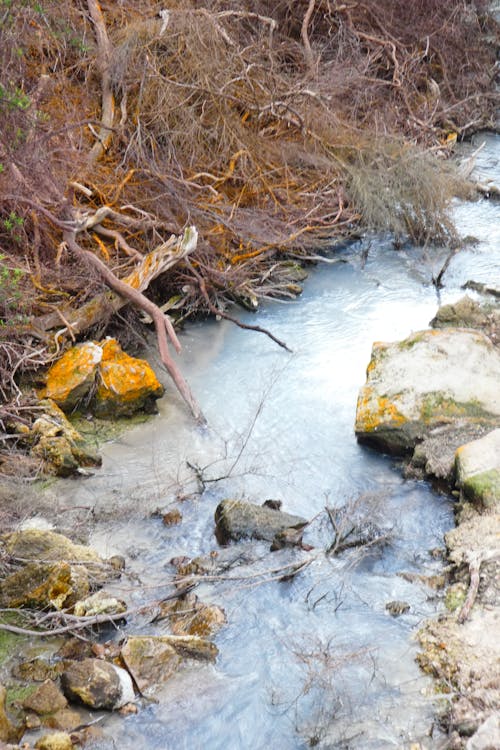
36 585
478 470
71 378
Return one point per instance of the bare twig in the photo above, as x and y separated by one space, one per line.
217 312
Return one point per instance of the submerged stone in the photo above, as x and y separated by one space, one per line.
153 659
189 616
397 608
236 519
432 378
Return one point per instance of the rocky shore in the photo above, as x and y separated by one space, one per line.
434 399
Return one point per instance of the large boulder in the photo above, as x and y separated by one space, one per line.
97 684
237 519
432 378
478 469
125 384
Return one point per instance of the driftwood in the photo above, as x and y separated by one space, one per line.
107 99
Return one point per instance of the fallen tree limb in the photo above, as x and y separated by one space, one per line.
159 260
162 323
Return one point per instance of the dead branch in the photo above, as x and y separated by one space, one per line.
107 99
438 280
162 324
220 313
305 37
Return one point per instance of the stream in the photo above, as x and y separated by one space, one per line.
315 660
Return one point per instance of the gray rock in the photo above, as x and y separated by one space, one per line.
97 684
478 469
466 313
236 519
432 378
435 456
487 736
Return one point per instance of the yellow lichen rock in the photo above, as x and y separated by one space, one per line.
71 377
125 384
122 384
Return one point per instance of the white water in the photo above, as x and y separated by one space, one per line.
366 690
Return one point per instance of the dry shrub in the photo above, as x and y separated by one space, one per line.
268 127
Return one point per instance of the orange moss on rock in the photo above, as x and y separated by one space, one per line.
72 376
125 384
375 411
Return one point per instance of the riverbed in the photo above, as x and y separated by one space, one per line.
315 660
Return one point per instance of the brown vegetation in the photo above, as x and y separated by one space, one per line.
268 126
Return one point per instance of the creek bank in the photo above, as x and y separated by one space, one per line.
96 379
434 399
46 578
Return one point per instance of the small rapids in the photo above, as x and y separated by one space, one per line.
315 660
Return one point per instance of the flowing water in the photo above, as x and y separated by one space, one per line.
315 660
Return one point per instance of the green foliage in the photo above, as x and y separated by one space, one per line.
14 98
10 290
12 222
